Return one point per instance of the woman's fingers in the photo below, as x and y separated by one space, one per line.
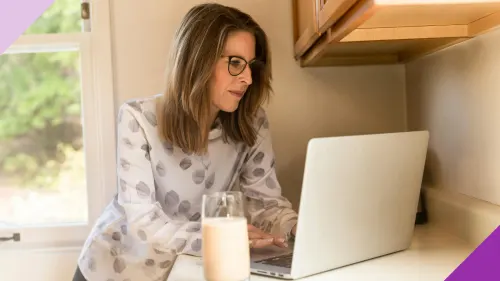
265 242
260 239
261 243
280 242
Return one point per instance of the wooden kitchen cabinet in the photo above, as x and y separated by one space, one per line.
385 31
313 17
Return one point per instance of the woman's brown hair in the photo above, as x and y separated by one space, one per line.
184 111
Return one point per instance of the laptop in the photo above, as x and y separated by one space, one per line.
359 201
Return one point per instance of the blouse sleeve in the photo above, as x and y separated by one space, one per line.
267 208
145 218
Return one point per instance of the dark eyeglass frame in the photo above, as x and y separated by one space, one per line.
253 64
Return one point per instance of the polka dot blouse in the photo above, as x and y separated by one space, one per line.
155 215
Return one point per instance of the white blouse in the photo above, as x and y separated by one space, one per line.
155 215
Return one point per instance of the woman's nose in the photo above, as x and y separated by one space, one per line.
246 75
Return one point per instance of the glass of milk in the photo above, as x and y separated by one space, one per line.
225 246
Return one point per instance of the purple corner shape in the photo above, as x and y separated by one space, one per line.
16 16
483 264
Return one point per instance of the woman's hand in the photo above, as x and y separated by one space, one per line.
260 239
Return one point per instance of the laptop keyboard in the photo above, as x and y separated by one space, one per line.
281 261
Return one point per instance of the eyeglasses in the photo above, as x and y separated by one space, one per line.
236 65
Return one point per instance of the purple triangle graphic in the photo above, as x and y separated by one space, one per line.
16 16
483 264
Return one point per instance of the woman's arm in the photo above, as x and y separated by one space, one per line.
268 209
145 217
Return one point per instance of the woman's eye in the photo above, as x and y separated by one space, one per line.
235 62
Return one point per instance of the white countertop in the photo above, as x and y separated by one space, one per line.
433 255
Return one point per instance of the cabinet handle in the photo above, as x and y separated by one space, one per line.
16 237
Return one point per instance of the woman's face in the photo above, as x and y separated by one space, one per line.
227 90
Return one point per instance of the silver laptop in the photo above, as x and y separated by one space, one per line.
359 201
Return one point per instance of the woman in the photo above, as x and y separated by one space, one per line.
202 136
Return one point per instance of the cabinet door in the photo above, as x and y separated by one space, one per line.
312 18
390 31
330 11
305 20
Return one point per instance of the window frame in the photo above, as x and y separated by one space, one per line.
98 115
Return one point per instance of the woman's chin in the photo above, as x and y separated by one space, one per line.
229 108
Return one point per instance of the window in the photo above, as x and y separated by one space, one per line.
56 110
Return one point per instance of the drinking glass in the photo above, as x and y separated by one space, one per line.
225 247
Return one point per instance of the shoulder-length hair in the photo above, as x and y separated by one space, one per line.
184 110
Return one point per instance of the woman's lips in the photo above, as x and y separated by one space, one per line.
238 94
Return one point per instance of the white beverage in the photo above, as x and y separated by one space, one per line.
226 254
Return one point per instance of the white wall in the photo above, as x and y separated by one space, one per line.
455 94
307 102
43 265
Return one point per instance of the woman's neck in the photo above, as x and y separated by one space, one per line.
213 116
